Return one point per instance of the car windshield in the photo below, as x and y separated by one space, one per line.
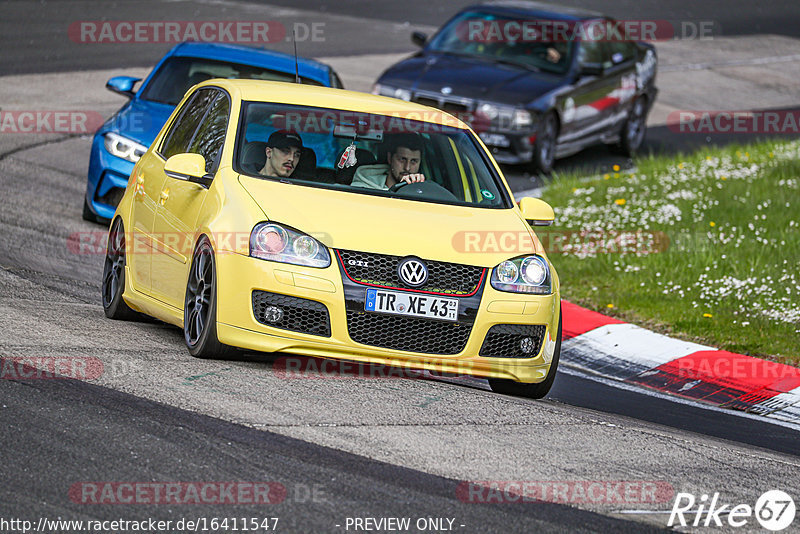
177 74
526 42
363 153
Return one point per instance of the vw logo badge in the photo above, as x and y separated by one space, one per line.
412 272
446 90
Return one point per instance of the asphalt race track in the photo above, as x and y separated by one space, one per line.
340 448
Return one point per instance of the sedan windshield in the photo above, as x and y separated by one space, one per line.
177 74
528 43
396 154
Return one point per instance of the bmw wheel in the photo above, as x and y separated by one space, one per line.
200 306
632 134
544 150
113 285
532 391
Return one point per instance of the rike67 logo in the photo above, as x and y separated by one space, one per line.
774 510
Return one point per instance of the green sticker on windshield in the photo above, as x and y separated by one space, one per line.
488 195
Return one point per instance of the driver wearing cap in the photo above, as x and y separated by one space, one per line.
283 154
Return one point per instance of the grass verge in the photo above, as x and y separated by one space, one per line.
704 247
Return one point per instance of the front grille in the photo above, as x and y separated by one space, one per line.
379 269
410 334
299 315
427 101
443 104
504 340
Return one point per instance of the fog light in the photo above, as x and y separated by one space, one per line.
273 314
526 345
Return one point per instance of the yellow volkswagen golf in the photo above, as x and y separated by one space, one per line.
288 218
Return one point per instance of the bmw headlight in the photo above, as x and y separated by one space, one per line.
274 242
505 118
394 92
528 274
122 147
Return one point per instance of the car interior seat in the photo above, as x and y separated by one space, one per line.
307 166
254 156
363 157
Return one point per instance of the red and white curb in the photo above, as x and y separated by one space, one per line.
601 345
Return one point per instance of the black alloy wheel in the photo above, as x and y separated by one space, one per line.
113 284
200 306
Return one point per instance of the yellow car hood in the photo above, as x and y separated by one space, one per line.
353 221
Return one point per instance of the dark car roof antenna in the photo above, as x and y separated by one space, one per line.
296 72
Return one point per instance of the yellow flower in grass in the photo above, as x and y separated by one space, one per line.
707 315
606 176
772 154
609 306
620 202
723 177
712 224
680 165
616 168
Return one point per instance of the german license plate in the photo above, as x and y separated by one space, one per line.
413 304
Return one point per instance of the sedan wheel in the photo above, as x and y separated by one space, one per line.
544 151
632 135
200 306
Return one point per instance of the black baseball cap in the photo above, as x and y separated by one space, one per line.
284 139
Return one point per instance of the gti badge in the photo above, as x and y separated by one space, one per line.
412 272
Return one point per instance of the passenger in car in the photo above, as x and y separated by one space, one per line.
403 161
283 154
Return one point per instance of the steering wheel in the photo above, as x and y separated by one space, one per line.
397 186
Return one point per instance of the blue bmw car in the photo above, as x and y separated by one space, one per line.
124 137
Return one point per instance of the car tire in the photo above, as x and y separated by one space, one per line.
633 130
113 284
200 306
88 214
531 391
544 149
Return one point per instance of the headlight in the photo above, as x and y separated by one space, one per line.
528 274
122 147
505 118
394 92
270 241
522 120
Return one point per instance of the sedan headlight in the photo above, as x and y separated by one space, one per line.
271 241
394 92
505 118
122 147
528 274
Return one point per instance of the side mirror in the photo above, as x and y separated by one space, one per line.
122 85
188 167
592 69
536 211
419 38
